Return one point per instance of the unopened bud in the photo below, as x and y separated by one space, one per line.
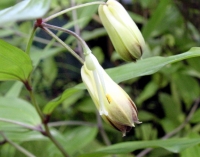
122 30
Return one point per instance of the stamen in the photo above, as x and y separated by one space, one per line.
102 109
101 77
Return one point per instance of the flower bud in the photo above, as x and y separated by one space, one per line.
114 105
122 30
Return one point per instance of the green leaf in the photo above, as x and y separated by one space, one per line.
14 63
25 10
171 109
73 140
15 90
173 145
48 109
156 18
192 151
79 137
7 150
194 62
5 4
148 66
188 88
25 136
149 90
38 55
196 117
17 110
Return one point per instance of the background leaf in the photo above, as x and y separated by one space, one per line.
14 63
48 109
18 110
25 10
148 66
174 145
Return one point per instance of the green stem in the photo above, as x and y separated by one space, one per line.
18 147
64 45
47 131
58 145
36 105
28 47
72 8
85 47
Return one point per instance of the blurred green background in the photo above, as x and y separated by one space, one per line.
164 99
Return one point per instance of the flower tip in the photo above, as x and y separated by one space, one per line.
123 134
138 122
103 112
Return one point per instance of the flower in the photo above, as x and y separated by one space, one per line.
114 105
122 30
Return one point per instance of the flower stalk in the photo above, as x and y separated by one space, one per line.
72 8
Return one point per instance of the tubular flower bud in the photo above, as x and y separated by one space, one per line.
122 30
114 105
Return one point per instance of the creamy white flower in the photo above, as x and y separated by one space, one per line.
122 30
113 103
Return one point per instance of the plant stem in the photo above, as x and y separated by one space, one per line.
76 27
28 47
64 45
101 130
72 8
86 49
35 104
47 131
58 145
18 147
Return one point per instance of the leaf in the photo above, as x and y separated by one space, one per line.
73 140
49 107
171 109
25 136
25 10
148 66
196 117
149 91
79 137
18 110
14 63
173 145
194 62
38 55
156 18
188 88
7 150
15 90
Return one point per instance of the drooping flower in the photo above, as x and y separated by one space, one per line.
122 30
113 103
